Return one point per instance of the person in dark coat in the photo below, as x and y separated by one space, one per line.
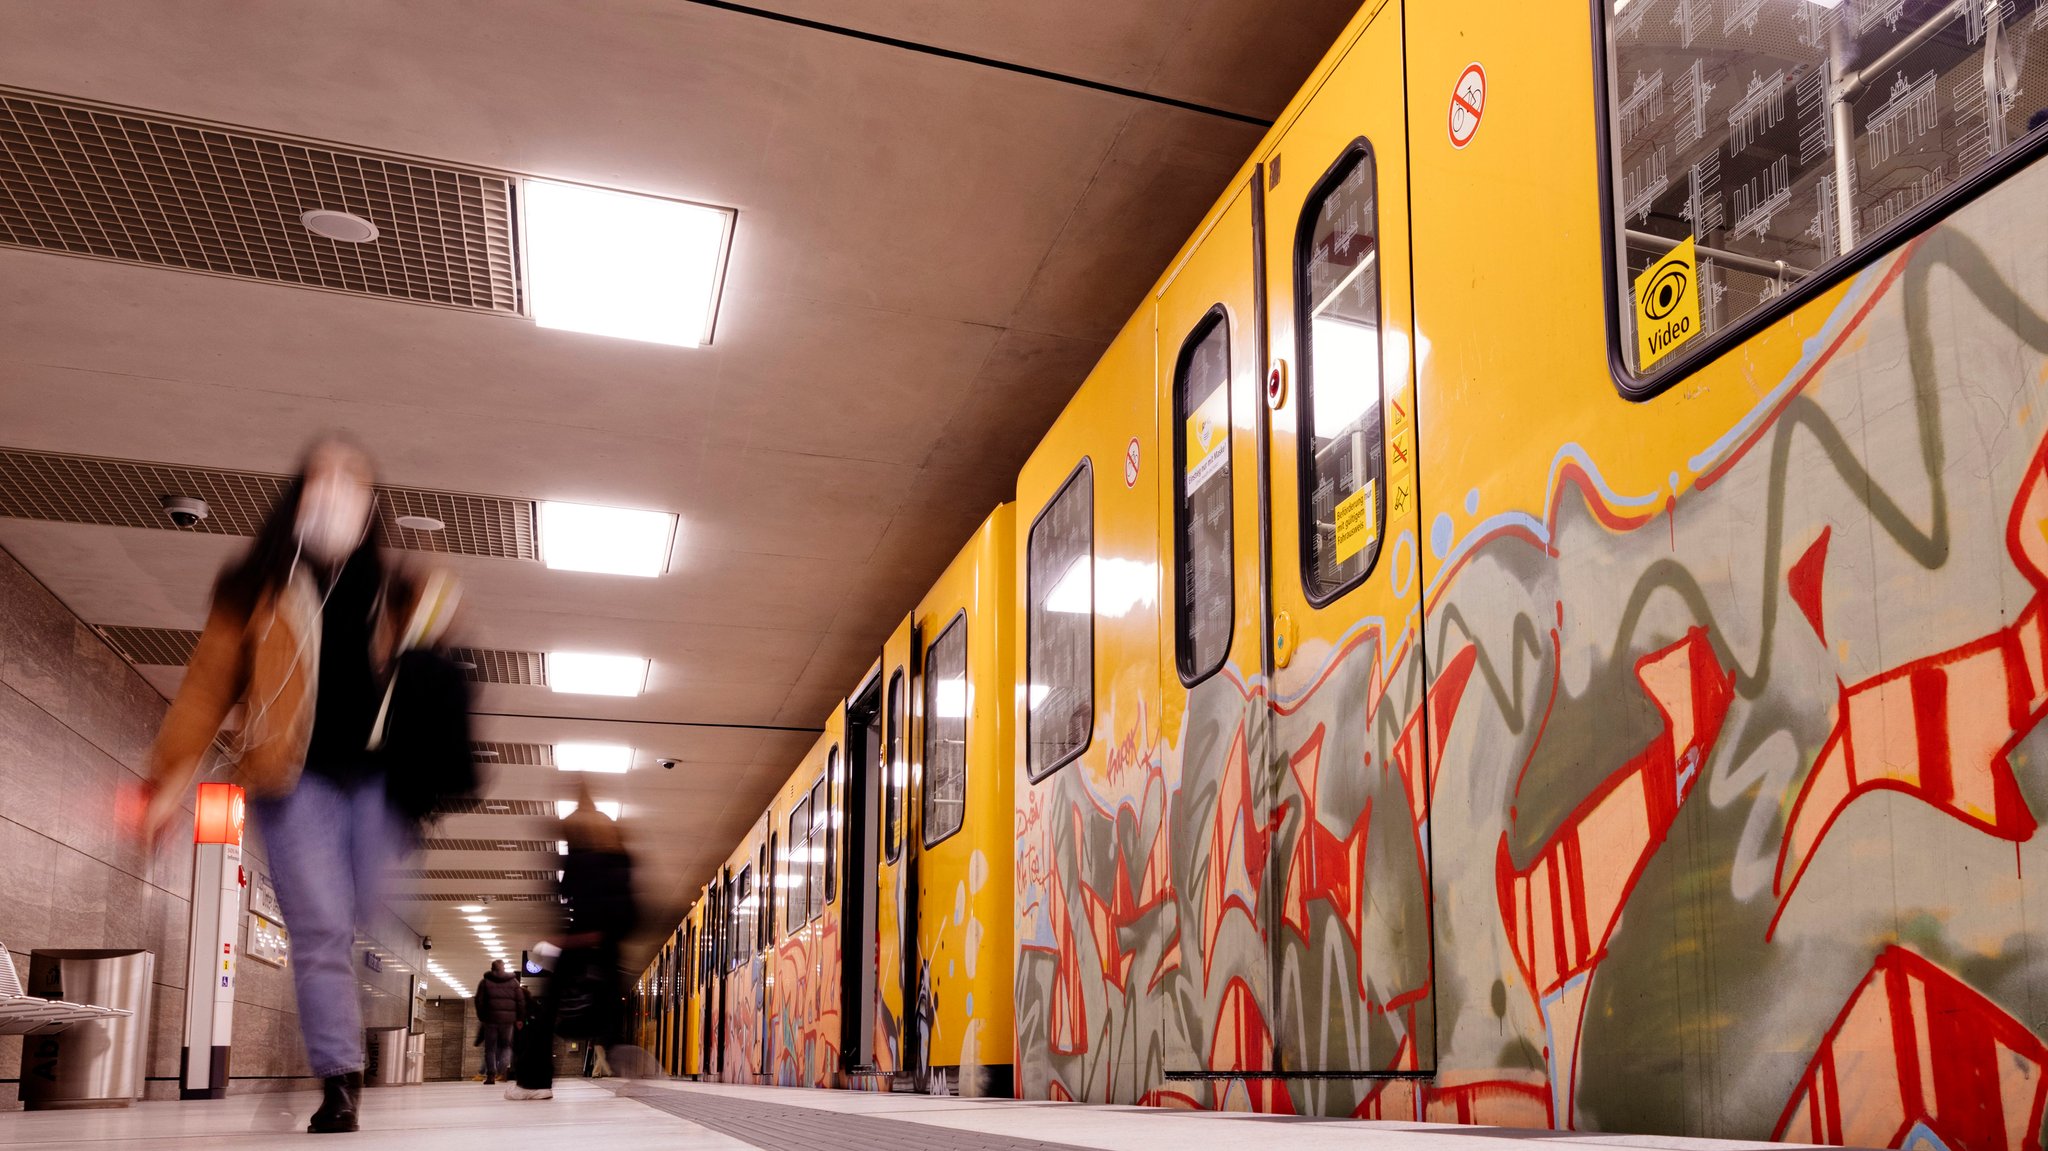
583 998
500 1008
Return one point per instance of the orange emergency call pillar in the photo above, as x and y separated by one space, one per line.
210 961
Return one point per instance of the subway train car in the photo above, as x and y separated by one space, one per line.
1537 619
861 935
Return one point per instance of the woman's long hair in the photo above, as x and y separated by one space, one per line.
268 562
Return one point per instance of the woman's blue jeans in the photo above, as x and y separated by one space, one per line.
329 847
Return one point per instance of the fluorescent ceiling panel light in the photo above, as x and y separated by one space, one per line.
608 758
609 807
477 918
582 673
470 908
613 541
615 264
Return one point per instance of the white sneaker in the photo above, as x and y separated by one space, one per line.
517 1092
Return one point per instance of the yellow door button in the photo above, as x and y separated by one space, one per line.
1283 639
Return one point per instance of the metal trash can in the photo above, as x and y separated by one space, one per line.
384 1057
98 1064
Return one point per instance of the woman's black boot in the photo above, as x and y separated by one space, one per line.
338 1108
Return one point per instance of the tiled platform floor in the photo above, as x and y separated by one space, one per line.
631 1116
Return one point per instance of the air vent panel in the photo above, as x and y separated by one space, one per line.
489 806
519 874
529 754
152 646
153 190
506 845
129 493
527 668
444 897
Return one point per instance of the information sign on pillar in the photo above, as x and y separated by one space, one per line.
218 815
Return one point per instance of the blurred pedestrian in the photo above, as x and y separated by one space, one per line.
352 724
500 1008
583 996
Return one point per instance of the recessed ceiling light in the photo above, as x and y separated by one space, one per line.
582 673
497 807
420 523
468 909
616 264
612 541
478 918
485 753
609 807
346 227
608 758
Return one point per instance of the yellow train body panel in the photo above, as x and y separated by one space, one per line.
963 959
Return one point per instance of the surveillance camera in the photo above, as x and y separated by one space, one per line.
426 944
668 764
185 511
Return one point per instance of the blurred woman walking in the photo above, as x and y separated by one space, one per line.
352 727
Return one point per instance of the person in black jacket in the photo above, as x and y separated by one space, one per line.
584 994
500 1007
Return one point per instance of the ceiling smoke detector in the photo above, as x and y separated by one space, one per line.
347 227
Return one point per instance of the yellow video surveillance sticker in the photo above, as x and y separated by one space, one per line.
1667 304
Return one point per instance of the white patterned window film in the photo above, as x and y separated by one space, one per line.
1781 134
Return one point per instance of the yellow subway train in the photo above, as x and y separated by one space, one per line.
1537 619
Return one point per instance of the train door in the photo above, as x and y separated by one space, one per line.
1209 359
895 886
1348 894
862 803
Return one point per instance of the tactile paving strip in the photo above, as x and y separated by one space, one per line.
781 1127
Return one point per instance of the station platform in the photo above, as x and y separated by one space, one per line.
629 1115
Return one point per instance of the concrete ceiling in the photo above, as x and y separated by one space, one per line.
931 252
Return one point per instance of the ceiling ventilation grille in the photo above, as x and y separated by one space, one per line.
489 806
472 873
153 190
172 647
152 646
532 754
531 845
514 667
445 897
129 493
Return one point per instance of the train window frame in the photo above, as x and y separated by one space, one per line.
797 860
959 620
1216 319
1639 387
1359 149
1083 470
814 875
895 790
833 794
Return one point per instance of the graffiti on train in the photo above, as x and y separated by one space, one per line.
1714 812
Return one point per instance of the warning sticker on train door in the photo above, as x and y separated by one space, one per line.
1468 104
1667 304
1208 439
1358 521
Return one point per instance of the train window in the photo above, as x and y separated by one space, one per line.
813 892
1205 606
1750 150
828 826
947 699
896 773
1059 657
746 931
1337 305
797 855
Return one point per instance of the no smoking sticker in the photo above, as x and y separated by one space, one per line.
1468 104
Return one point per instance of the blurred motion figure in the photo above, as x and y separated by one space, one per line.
584 991
500 1008
353 726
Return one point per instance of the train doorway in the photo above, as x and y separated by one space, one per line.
863 806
